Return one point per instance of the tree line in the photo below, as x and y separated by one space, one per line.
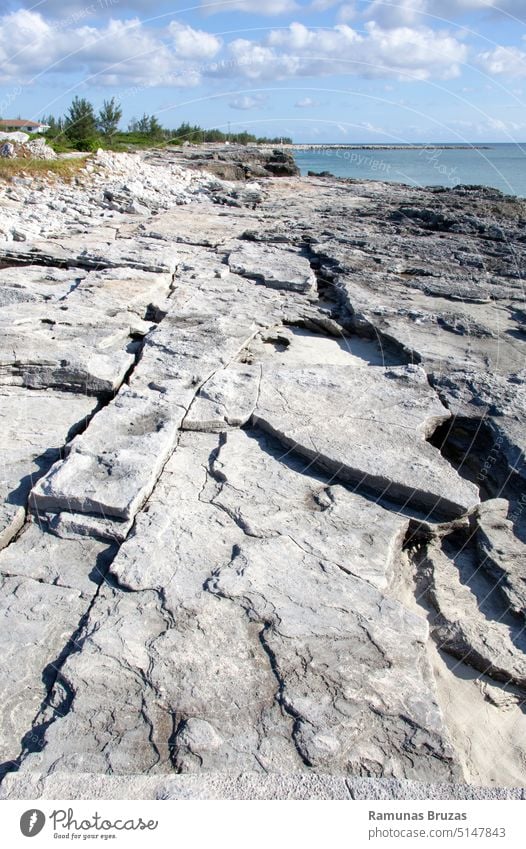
83 128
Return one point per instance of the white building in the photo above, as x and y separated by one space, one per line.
22 126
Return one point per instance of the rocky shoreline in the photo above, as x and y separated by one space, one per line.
263 505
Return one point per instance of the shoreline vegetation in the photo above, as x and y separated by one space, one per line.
82 129
63 168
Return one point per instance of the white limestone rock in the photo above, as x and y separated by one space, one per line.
34 427
473 623
70 525
54 350
30 640
274 267
501 553
319 625
239 603
269 492
12 518
35 283
227 400
111 469
165 699
367 427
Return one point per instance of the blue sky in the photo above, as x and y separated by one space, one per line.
316 70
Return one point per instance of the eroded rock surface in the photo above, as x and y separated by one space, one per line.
367 427
236 421
274 267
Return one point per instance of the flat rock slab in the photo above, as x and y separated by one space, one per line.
34 426
43 557
270 492
91 253
121 290
39 574
194 226
367 426
111 469
75 330
274 267
369 646
185 350
35 283
53 346
151 694
30 640
227 400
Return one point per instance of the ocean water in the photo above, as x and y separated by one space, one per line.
502 166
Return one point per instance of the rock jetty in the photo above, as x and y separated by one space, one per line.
263 514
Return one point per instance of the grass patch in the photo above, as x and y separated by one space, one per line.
64 168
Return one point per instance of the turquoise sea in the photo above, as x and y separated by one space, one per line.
502 166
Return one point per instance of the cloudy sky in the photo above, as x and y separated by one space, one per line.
318 70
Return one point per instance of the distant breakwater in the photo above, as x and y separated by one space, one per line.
388 147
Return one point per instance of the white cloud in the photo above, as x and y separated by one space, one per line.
306 103
403 53
130 52
76 10
84 9
322 5
193 44
394 13
504 61
347 12
371 128
492 127
25 38
256 7
246 102
126 52
399 13
387 13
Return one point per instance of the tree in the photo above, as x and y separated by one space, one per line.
81 123
187 132
55 125
148 125
109 117
155 129
143 125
